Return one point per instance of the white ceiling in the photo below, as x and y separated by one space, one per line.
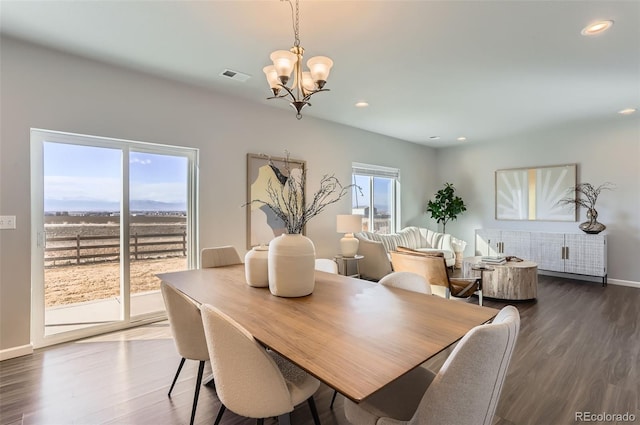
480 69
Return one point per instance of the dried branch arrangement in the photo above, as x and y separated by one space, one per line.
287 199
586 195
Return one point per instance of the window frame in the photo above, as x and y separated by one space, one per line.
378 171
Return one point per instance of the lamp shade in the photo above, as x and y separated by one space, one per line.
284 62
320 67
272 76
348 223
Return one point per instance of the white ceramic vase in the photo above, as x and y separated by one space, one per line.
291 265
256 266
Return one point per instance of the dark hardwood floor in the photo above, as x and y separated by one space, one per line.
578 351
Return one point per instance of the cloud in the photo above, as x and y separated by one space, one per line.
134 160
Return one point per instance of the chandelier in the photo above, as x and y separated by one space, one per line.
305 83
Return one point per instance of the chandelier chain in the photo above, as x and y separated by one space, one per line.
296 22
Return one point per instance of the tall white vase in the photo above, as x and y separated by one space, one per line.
291 265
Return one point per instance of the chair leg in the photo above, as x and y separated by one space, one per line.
175 378
197 392
314 411
220 413
333 398
480 297
447 293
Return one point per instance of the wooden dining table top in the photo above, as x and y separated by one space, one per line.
354 335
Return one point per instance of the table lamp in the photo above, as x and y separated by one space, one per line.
349 224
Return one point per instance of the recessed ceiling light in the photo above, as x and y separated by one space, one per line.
596 27
362 104
462 139
627 111
434 137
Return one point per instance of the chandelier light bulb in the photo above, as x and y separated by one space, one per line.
272 77
307 82
320 66
283 61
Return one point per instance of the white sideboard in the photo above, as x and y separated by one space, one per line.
575 253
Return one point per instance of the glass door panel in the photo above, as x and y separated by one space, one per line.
82 209
158 193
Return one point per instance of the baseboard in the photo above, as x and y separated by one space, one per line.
10 353
597 279
620 282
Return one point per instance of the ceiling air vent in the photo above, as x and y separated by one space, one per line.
235 75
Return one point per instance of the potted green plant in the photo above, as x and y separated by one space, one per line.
586 196
446 205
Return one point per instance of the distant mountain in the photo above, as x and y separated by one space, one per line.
53 205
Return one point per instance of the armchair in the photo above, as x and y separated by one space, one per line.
433 268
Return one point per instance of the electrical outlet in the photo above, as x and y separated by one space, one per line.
7 221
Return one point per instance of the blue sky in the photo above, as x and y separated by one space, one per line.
74 172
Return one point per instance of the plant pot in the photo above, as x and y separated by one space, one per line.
291 264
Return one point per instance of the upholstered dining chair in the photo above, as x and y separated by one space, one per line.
219 256
465 391
434 268
188 335
407 280
326 265
251 381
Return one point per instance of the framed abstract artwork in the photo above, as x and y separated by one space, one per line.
533 193
264 172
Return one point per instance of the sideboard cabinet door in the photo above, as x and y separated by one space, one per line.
586 254
547 250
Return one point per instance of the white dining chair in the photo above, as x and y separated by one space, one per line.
219 257
251 381
326 265
188 335
465 391
408 281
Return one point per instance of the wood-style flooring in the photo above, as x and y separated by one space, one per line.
578 351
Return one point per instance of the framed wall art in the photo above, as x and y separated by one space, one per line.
264 171
533 193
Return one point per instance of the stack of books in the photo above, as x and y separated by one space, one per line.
493 260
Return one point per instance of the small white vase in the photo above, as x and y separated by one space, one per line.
256 266
291 265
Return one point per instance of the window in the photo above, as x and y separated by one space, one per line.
378 201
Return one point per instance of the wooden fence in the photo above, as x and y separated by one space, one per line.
83 249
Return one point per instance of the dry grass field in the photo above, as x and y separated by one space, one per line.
86 282
93 279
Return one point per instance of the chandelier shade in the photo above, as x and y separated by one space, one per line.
304 83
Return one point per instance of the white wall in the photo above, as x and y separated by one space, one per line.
45 89
42 88
605 151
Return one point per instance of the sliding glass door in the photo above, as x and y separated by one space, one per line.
107 216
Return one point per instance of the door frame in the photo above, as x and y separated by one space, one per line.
38 137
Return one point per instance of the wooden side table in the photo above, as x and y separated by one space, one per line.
345 264
509 281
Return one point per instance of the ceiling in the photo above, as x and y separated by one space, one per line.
479 69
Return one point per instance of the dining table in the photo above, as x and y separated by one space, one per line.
354 335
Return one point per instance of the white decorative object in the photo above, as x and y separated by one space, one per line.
291 265
349 224
256 266
458 248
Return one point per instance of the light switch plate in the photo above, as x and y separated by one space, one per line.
7 221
